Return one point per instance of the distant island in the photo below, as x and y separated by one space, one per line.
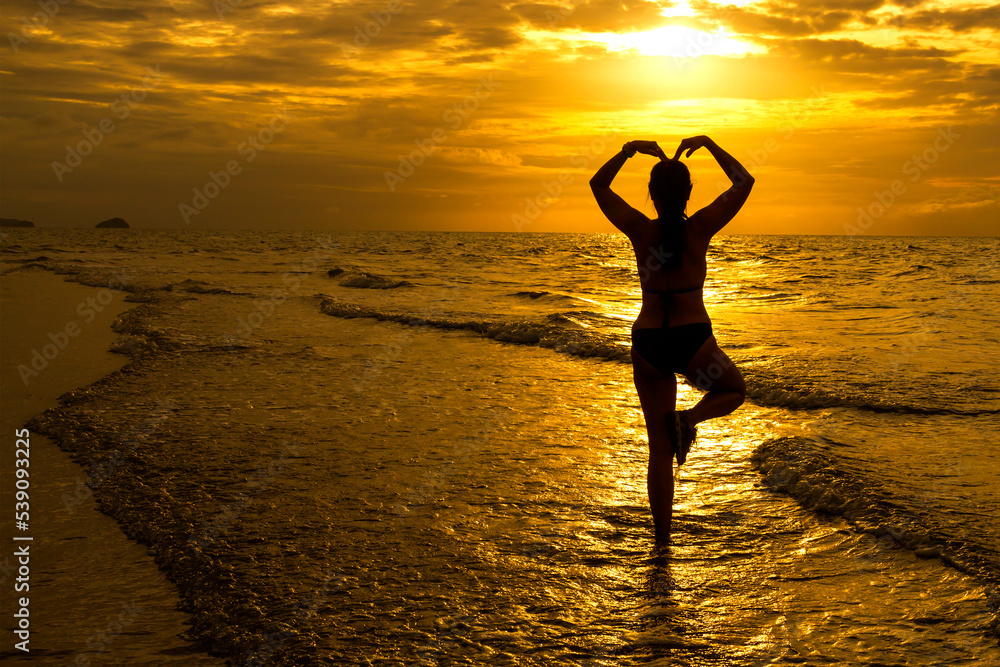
113 222
12 222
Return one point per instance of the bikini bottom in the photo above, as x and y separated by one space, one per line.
671 349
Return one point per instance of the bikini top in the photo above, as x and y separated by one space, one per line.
667 295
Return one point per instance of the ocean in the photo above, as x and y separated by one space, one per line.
426 448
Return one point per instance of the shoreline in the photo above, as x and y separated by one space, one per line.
440 468
94 594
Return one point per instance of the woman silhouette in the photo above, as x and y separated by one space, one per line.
673 333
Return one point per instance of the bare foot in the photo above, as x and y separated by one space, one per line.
685 432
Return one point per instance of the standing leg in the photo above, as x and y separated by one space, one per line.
657 396
712 371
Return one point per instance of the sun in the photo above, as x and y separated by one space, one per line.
675 40
680 41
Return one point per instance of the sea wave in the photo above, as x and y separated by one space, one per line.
574 333
541 295
784 392
202 287
553 334
811 471
365 280
911 271
29 265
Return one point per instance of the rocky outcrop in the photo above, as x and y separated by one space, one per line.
11 222
116 223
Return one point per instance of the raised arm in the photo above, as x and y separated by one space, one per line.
716 215
624 217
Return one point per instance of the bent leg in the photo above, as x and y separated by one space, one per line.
657 396
714 372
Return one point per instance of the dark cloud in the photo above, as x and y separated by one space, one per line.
855 55
790 19
749 21
95 13
978 196
490 38
806 18
961 87
910 76
957 19
256 69
594 15
150 50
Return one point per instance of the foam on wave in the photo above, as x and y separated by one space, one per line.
365 280
811 471
576 341
781 393
541 296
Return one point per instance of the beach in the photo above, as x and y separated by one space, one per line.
370 333
426 448
95 596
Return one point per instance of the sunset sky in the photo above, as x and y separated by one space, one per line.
439 115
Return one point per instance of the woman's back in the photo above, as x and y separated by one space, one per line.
658 270
671 289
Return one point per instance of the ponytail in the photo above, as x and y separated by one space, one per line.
669 188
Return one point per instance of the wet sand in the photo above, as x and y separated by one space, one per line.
96 597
